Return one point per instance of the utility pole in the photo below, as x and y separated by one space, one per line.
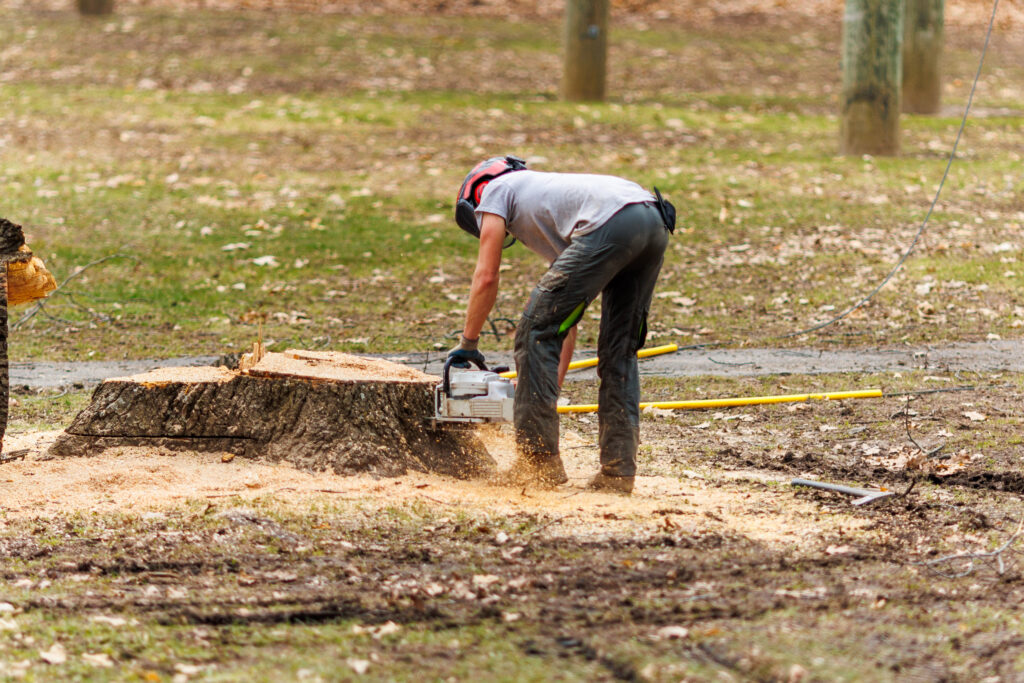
586 50
872 75
923 29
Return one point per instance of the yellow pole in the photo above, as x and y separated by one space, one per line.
591 362
703 404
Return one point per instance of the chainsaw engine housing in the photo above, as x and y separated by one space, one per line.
474 396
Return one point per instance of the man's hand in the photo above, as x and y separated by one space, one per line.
465 353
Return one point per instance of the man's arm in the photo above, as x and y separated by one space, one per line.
484 290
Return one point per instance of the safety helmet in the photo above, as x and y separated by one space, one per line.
473 188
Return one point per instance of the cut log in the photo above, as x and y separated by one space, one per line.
318 410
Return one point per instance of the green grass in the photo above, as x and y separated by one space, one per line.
335 147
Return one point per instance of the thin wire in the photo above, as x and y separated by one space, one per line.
935 200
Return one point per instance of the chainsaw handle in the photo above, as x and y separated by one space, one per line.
445 374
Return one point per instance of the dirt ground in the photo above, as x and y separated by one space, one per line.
140 480
715 569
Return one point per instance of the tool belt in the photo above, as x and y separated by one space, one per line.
667 211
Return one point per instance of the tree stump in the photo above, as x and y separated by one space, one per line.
318 410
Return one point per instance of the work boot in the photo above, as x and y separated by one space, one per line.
525 471
611 484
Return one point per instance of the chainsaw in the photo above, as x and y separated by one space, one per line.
472 397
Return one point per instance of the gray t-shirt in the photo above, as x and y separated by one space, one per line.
545 210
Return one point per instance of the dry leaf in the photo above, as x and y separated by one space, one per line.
385 629
55 655
484 580
101 659
974 416
672 632
838 550
269 261
360 666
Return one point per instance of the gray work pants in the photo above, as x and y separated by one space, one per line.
620 261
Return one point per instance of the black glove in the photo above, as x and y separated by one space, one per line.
465 353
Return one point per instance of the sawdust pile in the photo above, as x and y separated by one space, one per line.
199 373
136 480
337 366
327 365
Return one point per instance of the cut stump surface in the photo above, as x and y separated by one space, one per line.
318 410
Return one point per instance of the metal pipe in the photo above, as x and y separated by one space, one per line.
704 404
864 496
591 362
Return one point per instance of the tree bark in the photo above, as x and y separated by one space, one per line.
923 37
95 7
872 73
12 239
586 50
302 407
5 386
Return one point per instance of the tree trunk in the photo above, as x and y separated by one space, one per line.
5 378
95 7
12 239
872 71
317 410
923 33
586 50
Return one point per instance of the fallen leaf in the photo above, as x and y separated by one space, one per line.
673 632
55 655
360 666
101 659
484 580
269 261
974 416
385 629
